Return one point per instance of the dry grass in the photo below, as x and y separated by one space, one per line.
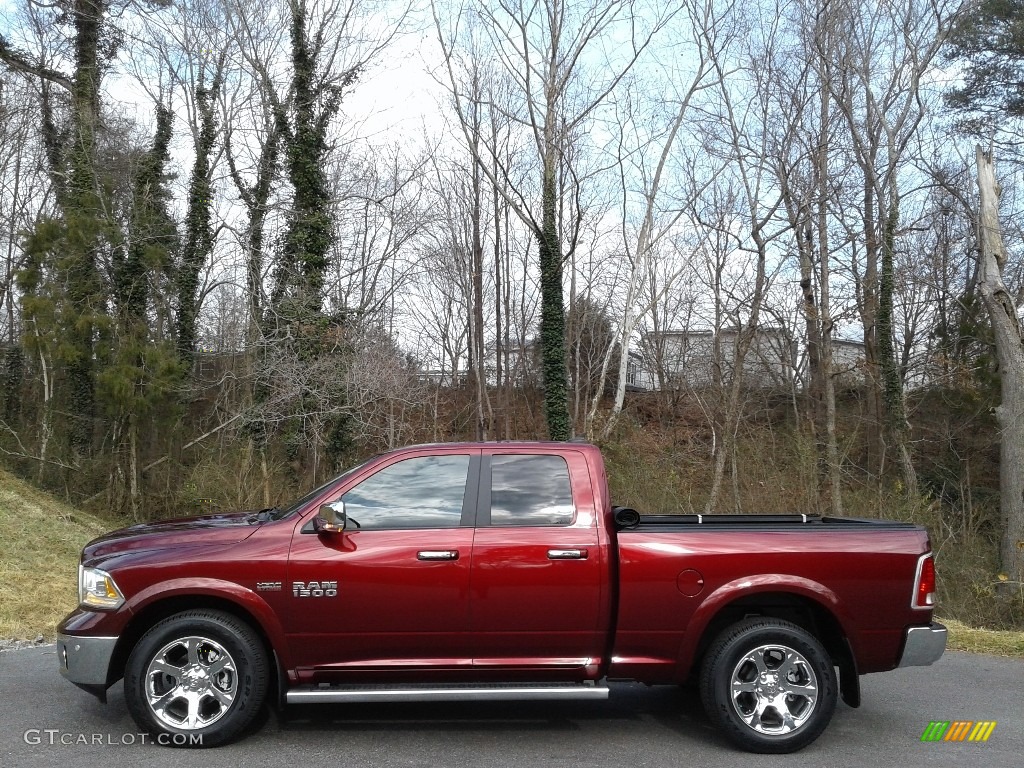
996 642
40 542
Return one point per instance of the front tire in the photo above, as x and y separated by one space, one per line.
196 679
769 685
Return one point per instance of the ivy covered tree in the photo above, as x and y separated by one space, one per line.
297 330
90 262
544 76
140 383
315 99
64 253
197 248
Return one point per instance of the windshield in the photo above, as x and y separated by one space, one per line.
295 506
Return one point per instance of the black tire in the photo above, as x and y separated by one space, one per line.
196 679
785 691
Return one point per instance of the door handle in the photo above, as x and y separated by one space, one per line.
567 554
438 554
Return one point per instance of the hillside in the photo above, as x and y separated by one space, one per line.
40 540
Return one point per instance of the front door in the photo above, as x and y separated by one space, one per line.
390 594
537 568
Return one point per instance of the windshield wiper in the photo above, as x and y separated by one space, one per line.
264 516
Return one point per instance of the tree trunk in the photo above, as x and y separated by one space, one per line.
198 245
895 426
84 209
498 318
824 320
1007 331
134 492
869 318
745 337
46 410
552 312
484 415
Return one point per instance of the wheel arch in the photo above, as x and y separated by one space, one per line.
794 606
156 610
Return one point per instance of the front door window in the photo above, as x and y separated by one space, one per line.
423 492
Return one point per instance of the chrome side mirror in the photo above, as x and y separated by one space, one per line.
330 518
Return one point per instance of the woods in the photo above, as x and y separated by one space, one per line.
685 230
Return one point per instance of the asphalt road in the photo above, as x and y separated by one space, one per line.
637 727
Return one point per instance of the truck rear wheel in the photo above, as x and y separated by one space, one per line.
769 685
196 679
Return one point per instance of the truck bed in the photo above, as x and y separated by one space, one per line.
818 522
676 572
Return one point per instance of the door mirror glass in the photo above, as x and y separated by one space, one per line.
330 518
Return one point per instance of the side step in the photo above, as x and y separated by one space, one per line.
341 694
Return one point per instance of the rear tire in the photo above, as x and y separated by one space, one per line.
769 685
196 679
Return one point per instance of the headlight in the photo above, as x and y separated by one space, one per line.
96 589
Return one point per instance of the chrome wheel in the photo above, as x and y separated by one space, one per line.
774 689
191 683
769 685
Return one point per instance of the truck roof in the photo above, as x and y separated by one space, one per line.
498 444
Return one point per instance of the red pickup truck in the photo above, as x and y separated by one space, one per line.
495 571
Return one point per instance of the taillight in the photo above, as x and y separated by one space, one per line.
924 587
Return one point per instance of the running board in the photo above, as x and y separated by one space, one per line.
341 694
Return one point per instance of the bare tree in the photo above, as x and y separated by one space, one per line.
742 223
707 26
879 55
24 191
545 50
805 148
380 210
252 140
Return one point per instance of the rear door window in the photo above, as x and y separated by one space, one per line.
531 490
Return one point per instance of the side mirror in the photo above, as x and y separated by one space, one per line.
330 518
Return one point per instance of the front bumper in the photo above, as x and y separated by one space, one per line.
924 645
85 661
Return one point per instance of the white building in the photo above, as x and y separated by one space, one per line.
687 358
848 363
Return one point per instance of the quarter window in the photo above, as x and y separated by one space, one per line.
423 492
530 490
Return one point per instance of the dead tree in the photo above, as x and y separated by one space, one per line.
1007 332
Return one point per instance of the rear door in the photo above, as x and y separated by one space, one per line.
390 595
538 567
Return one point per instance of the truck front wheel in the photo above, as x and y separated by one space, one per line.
196 679
769 685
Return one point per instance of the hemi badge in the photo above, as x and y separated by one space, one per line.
268 586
